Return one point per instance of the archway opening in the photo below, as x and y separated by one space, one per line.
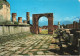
43 25
35 27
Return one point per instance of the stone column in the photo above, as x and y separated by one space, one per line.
19 19
28 17
58 25
14 17
50 24
25 21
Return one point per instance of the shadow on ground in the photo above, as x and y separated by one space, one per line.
69 50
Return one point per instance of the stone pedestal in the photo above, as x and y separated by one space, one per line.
19 19
25 21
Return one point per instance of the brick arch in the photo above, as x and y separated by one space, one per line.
36 17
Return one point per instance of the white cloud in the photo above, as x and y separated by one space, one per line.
73 18
43 19
24 18
30 18
79 0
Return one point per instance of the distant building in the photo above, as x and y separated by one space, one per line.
75 25
54 27
58 25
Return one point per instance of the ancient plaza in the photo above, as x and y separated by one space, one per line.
18 37
31 45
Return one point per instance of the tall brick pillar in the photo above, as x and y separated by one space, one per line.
28 17
14 17
19 19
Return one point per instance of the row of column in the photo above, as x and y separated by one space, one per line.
20 18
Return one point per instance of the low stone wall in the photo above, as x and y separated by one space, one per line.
7 30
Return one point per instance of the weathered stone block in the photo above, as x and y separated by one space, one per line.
19 19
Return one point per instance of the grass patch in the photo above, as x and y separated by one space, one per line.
44 32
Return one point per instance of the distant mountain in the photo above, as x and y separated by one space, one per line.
56 23
62 22
65 22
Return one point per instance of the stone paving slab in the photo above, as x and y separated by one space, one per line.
2 53
32 45
14 48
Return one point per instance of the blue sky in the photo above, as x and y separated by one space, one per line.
65 11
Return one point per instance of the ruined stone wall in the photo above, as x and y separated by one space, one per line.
7 30
75 25
4 11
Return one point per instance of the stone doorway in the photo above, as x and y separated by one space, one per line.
36 17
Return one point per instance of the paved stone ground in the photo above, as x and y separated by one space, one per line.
31 45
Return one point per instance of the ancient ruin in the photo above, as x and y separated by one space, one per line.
14 17
75 25
25 21
4 11
28 17
35 28
24 38
19 19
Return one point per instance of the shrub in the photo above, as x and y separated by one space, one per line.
16 23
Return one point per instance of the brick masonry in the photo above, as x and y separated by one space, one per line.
75 25
34 28
28 17
14 17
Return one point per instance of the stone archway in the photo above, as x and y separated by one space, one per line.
35 22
